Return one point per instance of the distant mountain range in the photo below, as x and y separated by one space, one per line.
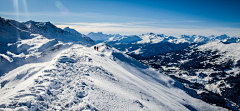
150 44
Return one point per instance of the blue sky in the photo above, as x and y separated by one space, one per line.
170 17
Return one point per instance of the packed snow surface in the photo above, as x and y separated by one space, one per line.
80 78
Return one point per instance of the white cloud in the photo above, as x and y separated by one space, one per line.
137 29
70 15
104 24
191 21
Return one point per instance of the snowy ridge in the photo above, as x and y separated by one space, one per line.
80 78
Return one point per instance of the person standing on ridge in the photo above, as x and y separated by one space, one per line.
94 47
97 48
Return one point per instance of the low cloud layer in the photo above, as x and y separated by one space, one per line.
136 29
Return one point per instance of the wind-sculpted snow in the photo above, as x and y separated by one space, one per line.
37 49
80 78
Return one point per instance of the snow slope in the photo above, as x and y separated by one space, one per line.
37 49
80 78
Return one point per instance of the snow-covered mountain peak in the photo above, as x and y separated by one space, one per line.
151 33
74 32
29 23
67 28
100 37
161 35
185 36
155 38
98 33
42 27
39 24
222 37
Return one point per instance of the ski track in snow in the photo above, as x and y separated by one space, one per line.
80 78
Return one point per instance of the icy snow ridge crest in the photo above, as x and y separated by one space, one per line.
80 78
